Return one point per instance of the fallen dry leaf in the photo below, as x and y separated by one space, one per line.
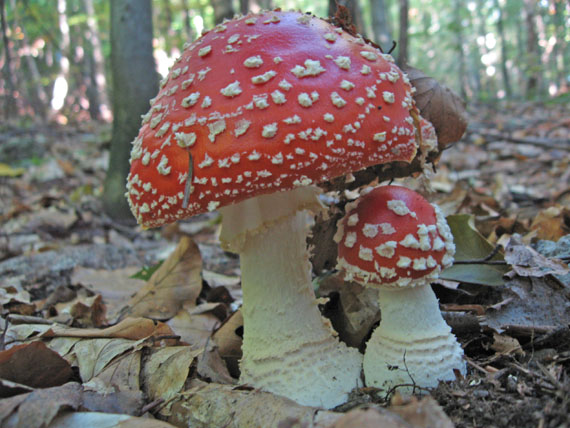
531 303
439 105
357 310
504 344
229 341
176 282
424 413
370 418
211 366
40 407
34 365
129 328
166 370
526 261
195 327
210 405
116 286
93 355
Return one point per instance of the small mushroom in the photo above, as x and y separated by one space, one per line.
252 115
394 240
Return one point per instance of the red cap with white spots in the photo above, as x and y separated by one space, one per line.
393 237
263 103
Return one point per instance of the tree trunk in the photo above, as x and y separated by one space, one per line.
501 31
10 107
135 81
38 98
459 47
560 48
98 86
61 84
483 47
380 24
223 9
354 10
532 53
244 7
403 36
190 34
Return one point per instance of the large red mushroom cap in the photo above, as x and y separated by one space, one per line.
393 237
262 103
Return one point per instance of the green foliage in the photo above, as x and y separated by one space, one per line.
146 272
457 42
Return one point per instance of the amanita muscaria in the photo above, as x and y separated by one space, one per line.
393 239
250 117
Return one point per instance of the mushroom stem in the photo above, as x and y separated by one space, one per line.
288 347
413 345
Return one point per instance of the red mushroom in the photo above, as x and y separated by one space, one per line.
250 116
394 240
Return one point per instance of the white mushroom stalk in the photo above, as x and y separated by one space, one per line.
288 347
413 346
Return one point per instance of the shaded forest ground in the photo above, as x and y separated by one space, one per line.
63 260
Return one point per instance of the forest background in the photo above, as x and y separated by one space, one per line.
65 261
55 56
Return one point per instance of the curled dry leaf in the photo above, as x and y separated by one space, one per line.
129 328
175 283
440 105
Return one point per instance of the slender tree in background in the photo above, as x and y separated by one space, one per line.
135 81
532 51
190 34
402 59
243 7
502 40
223 9
458 29
380 24
38 97
97 89
10 108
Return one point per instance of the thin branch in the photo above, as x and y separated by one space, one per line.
541 142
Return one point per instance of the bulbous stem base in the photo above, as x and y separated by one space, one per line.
413 346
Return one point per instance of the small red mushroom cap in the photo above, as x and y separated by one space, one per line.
262 103
393 237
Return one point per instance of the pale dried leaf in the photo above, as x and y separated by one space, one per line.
211 366
194 329
217 406
129 328
93 355
175 283
526 261
121 375
116 286
166 370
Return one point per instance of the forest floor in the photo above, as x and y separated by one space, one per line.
76 302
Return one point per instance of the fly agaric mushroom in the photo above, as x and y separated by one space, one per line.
392 239
250 116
